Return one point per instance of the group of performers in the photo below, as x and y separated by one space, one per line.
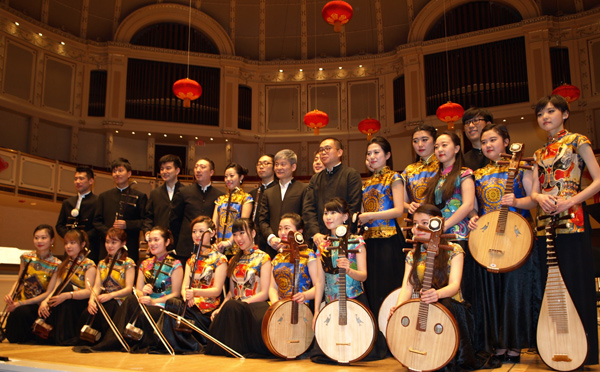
226 284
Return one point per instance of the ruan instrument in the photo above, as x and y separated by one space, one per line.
131 331
205 334
88 333
561 339
13 296
287 325
345 328
424 337
107 317
157 331
40 327
503 239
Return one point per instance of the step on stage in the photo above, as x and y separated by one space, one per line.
56 358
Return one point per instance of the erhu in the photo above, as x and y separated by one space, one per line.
125 200
88 333
13 296
40 327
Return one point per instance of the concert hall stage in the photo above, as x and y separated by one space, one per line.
55 358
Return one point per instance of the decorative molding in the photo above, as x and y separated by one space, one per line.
262 46
112 123
303 31
45 11
230 132
232 9
74 153
34 128
85 15
342 41
379 25
117 16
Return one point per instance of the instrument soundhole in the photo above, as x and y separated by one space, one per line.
405 321
438 329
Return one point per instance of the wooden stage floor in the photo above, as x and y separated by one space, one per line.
56 358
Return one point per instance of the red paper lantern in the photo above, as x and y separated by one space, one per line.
569 92
315 120
449 113
337 13
187 90
369 127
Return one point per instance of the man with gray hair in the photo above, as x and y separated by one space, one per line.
287 197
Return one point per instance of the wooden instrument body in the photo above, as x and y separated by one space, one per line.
420 350
561 339
501 252
284 339
350 342
384 311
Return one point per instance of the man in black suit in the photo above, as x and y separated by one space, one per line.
335 180
78 211
158 209
286 197
190 202
122 207
264 169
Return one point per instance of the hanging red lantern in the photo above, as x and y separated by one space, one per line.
187 90
315 120
569 92
337 13
369 127
449 113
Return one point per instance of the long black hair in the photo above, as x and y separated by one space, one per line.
241 224
450 184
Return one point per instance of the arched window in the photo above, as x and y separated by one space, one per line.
174 36
473 17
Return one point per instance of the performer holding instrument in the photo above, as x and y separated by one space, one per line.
345 328
59 312
557 190
114 281
501 241
237 323
36 270
287 325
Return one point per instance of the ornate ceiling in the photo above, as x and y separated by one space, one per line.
273 29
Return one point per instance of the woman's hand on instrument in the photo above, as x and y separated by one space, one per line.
299 297
59 299
44 309
12 305
413 207
120 224
92 307
191 302
8 299
222 245
276 243
548 203
392 309
429 296
189 294
508 199
148 289
146 300
104 297
343 263
473 222
318 238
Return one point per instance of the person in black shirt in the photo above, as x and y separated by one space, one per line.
122 207
474 119
264 169
78 211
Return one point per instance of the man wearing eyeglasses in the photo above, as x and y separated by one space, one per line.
264 170
474 120
335 180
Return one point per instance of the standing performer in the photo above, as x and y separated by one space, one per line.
416 175
510 302
62 310
37 268
265 171
114 281
474 119
237 323
557 190
78 211
230 207
383 199
122 207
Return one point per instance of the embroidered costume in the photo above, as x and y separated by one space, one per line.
283 272
229 210
416 176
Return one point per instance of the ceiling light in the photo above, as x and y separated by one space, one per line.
180 136
504 121
360 66
62 43
132 132
522 118
116 131
165 135
226 140
17 23
280 70
340 67
39 33
149 134
196 137
211 138
300 70
320 68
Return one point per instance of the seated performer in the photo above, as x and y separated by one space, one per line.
114 281
237 323
37 268
65 303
